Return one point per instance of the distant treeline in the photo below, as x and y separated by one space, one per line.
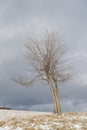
6 108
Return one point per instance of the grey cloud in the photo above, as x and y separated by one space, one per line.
73 91
20 19
74 105
14 94
68 105
19 12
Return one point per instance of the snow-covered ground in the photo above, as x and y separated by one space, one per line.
27 120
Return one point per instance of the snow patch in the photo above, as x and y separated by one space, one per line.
77 127
8 128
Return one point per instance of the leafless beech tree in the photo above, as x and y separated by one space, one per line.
47 59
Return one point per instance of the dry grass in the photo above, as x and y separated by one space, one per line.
68 121
2 123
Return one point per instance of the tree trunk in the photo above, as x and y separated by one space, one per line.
58 99
55 96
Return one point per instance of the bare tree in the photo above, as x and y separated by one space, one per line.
47 59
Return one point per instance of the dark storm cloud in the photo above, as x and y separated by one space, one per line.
20 19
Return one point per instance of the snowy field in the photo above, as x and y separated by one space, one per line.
27 120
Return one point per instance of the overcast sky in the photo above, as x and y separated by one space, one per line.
20 19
